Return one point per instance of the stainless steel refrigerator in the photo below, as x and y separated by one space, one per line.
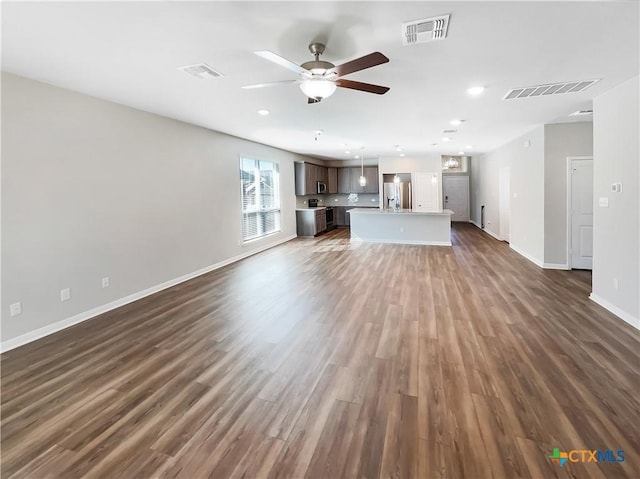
397 191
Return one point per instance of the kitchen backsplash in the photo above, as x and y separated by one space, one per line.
340 200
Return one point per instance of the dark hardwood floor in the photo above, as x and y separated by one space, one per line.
325 359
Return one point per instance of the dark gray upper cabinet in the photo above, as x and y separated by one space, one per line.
344 180
370 174
307 177
332 180
338 180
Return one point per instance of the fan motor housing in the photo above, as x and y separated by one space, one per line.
317 64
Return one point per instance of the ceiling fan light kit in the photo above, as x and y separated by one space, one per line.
319 79
317 88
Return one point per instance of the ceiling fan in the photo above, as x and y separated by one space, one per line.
319 79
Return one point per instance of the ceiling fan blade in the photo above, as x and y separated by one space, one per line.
283 62
367 61
368 87
273 83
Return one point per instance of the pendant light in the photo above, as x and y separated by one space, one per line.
363 180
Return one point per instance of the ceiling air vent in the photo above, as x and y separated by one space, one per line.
581 113
426 30
550 89
201 71
449 132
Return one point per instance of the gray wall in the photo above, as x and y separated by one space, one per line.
527 192
91 189
560 141
616 241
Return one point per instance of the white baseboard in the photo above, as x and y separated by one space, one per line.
488 231
535 261
36 334
626 317
390 241
563 266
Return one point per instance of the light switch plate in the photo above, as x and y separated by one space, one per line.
65 294
15 309
603 202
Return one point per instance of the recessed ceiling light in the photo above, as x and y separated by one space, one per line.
475 90
357 156
347 152
263 112
401 154
461 153
468 147
456 122
446 138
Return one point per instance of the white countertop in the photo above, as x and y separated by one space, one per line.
378 211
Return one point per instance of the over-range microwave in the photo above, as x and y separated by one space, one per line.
322 187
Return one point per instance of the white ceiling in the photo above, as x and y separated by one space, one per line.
129 53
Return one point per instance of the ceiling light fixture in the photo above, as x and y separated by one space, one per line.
446 138
461 153
263 112
347 152
475 90
468 147
363 180
401 154
456 122
451 163
318 88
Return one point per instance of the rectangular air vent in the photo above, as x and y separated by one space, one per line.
449 132
425 30
550 89
201 71
581 113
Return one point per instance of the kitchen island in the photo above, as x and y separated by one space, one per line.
401 226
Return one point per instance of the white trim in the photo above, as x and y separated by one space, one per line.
564 266
626 317
569 191
489 232
391 241
23 339
535 261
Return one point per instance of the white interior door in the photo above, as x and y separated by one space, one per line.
426 191
456 196
505 203
581 210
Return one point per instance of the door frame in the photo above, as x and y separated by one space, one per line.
570 159
504 236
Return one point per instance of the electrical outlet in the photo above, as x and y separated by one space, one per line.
105 282
15 309
65 294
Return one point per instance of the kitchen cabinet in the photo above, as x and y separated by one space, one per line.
332 180
311 222
307 176
344 180
370 174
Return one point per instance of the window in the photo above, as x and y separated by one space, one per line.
260 198
454 164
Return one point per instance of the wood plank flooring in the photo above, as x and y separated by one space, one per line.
325 359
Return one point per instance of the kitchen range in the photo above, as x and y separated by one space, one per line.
314 219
